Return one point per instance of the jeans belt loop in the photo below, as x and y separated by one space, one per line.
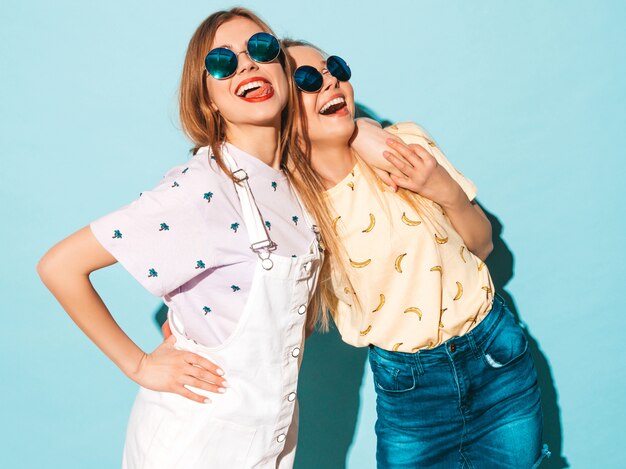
418 363
472 343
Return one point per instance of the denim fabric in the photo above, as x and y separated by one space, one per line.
471 402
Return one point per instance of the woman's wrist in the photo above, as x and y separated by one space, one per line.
452 197
132 365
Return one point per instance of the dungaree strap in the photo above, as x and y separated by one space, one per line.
260 242
257 233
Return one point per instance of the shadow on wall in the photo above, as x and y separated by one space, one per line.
500 264
328 391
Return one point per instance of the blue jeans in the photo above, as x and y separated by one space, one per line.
471 402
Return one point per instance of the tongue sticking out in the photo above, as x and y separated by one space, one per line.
260 91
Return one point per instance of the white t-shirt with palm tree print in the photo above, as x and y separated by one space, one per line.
185 240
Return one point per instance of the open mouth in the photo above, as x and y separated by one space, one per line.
337 105
255 89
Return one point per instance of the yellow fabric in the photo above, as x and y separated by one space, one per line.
416 283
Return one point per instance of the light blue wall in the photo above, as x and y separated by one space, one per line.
526 98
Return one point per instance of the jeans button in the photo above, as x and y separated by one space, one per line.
453 348
302 309
295 352
291 397
280 438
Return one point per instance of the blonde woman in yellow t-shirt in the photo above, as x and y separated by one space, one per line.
455 383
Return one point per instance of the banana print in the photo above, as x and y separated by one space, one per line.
459 291
366 331
437 268
360 265
441 326
397 346
351 185
487 290
415 310
441 240
371 225
463 257
408 221
443 310
380 304
398 264
481 265
414 349
335 225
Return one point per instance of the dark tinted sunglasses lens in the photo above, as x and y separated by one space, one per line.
308 78
221 63
263 47
338 68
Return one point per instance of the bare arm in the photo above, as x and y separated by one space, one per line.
423 175
369 143
65 271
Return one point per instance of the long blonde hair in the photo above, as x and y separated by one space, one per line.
308 183
200 122
204 127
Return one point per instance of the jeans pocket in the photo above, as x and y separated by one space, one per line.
390 376
507 344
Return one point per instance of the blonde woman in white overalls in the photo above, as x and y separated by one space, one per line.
224 241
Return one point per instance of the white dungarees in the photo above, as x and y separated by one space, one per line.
254 423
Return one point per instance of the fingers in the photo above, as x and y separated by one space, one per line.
195 359
201 384
410 155
427 157
384 176
183 391
201 373
403 182
404 167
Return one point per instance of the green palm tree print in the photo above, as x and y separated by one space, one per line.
200 265
153 273
117 234
269 225
164 227
206 310
185 170
234 227
175 184
235 288
274 185
295 219
207 196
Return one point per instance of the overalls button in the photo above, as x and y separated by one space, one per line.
453 348
295 352
280 438
291 397
302 309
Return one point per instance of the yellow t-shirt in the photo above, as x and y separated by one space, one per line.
416 283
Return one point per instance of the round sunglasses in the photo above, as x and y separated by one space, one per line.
221 62
310 79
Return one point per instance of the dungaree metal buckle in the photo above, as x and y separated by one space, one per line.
262 249
240 175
